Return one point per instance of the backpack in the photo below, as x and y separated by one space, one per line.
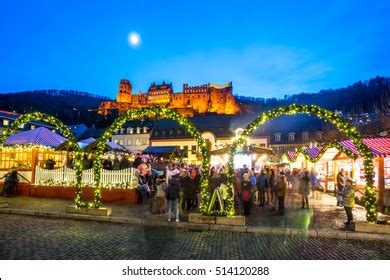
246 195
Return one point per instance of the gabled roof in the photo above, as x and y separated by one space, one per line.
313 152
39 136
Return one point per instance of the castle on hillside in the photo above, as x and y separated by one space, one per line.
208 98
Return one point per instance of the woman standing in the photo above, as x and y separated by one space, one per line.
304 189
348 200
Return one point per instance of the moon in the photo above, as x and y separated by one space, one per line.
134 39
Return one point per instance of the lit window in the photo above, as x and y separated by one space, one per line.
130 130
144 141
145 129
6 122
291 136
122 131
116 141
278 137
137 141
21 126
32 127
129 142
121 142
138 130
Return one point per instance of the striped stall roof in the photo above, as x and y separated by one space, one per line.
377 146
292 155
313 152
39 136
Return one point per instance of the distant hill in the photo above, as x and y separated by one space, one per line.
361 97
70 106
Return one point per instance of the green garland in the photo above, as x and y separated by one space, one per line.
37 116
157 112
302 151
343 126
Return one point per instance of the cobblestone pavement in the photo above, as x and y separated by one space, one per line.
29 237
323 213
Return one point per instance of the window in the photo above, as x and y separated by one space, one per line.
116 131
53 130
144 141
137 141
319 135
129 142
163 132
387 172
130 130
179 132
138 130
171 132
145 129
116 141
121 142
32 127
278 137
291 137
305 136
122 131
21 126
6 122
193 149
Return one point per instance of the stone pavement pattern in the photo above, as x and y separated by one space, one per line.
29 237
323 213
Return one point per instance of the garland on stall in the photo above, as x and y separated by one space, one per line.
70 184
157 112
342 125
38 116
328 146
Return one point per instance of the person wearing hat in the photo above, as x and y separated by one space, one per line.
348 200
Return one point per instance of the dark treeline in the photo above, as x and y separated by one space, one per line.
70 106
361 97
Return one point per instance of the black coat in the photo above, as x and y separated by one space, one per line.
173 189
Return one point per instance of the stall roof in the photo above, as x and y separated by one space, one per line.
110 145
160 150
39 136
313 152
377 146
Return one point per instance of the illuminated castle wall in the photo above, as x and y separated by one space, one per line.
194 100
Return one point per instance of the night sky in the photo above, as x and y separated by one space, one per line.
266 49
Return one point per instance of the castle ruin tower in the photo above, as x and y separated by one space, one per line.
124 91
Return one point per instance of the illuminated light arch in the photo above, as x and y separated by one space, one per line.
159 113
349 130
59 125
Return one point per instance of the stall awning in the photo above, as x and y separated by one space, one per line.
90 143
39 136
291 155
161 150
377 146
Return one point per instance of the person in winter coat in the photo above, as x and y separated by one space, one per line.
348 200
161 201
304 189
10 182
340 184
197 180
189 193
281 189
173 192
262 185
246 194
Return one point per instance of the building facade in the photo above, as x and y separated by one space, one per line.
193 100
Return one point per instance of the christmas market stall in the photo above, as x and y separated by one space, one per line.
28 150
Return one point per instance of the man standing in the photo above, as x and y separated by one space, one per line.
340 185
173 191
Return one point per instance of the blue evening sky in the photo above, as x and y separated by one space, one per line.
266 48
